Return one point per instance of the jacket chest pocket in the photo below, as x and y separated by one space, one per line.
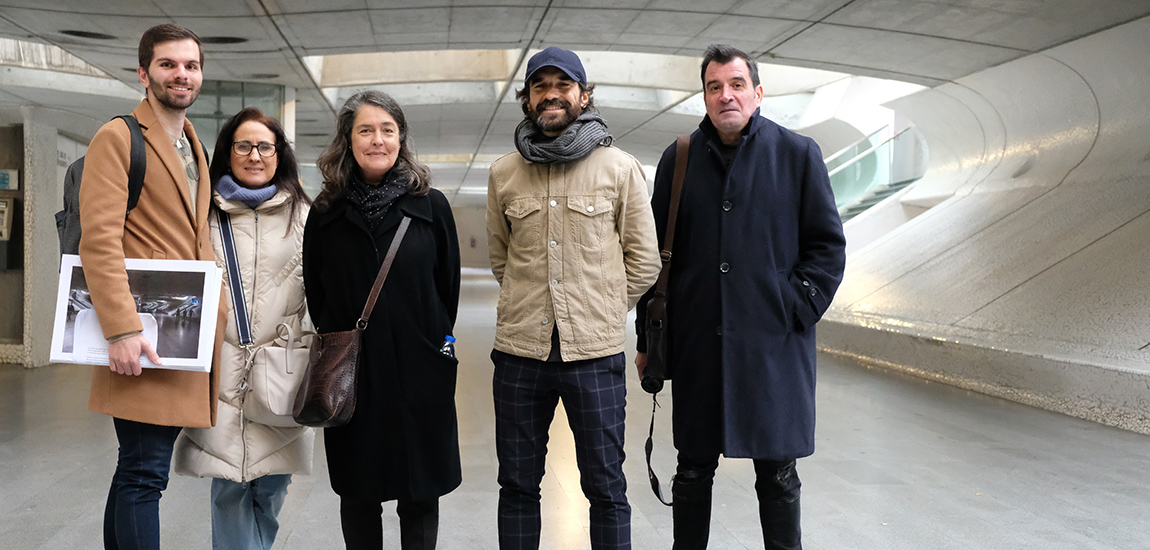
590 218
525 219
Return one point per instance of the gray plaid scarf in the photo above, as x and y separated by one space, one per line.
580 138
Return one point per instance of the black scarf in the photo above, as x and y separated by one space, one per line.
580 138
373 201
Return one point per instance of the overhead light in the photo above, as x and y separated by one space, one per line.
262 76
222 40
88 34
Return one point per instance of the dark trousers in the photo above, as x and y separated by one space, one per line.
132 514
776 485
594 393
362 524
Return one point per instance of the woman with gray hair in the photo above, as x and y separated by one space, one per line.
402 443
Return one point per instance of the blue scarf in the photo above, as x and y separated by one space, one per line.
230 190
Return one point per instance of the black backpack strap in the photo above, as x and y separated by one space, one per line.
138 161
207 157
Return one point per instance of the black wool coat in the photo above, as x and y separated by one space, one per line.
758 254
403 440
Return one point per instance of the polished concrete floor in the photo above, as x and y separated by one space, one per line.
901 463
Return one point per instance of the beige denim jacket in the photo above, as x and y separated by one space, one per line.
571 243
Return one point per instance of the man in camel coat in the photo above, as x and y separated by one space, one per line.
170 221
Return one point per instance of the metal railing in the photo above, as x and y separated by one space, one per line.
858 176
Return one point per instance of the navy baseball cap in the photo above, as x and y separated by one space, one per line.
561 59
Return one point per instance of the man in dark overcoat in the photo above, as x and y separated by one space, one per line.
758 254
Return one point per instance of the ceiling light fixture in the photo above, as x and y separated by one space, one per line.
88 34
222 40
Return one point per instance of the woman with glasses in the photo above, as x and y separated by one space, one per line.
251 453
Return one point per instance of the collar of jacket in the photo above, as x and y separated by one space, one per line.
411 205
708 128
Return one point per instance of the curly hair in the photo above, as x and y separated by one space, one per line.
337 164
524 97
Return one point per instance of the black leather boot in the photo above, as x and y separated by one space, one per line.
691 490
777 486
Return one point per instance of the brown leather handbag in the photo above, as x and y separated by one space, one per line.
326 398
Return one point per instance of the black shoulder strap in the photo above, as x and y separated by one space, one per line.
682 146
232 261
138 161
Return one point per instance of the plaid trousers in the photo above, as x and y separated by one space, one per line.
594 393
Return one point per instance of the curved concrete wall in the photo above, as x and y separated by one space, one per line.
1027 278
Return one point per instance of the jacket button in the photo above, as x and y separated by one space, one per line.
554 282
724 267
590 208
539 353
544 320
814 291
806 283
553 203
726 206
553 243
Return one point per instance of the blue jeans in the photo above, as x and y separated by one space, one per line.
244 514
132 515
594 393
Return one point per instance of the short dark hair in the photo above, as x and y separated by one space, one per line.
287 169
723 54
165 33
524 96
337 163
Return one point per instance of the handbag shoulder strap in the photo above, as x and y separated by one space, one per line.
232 262
379 279
681 146
658 301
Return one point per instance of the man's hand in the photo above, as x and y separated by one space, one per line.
641 363
124 355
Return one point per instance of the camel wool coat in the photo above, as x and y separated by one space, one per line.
161 226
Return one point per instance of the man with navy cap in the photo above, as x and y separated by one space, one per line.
572 244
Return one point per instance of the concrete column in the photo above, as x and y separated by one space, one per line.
42 198
287 118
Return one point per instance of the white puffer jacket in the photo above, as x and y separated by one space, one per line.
270 256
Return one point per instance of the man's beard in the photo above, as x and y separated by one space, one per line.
160 92
570 113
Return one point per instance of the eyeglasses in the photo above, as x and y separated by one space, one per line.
244 148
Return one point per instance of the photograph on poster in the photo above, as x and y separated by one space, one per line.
171 298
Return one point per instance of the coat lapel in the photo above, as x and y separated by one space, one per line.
204 198
157 138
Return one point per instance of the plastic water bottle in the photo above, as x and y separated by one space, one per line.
448 346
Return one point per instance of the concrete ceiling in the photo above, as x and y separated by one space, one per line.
460 123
